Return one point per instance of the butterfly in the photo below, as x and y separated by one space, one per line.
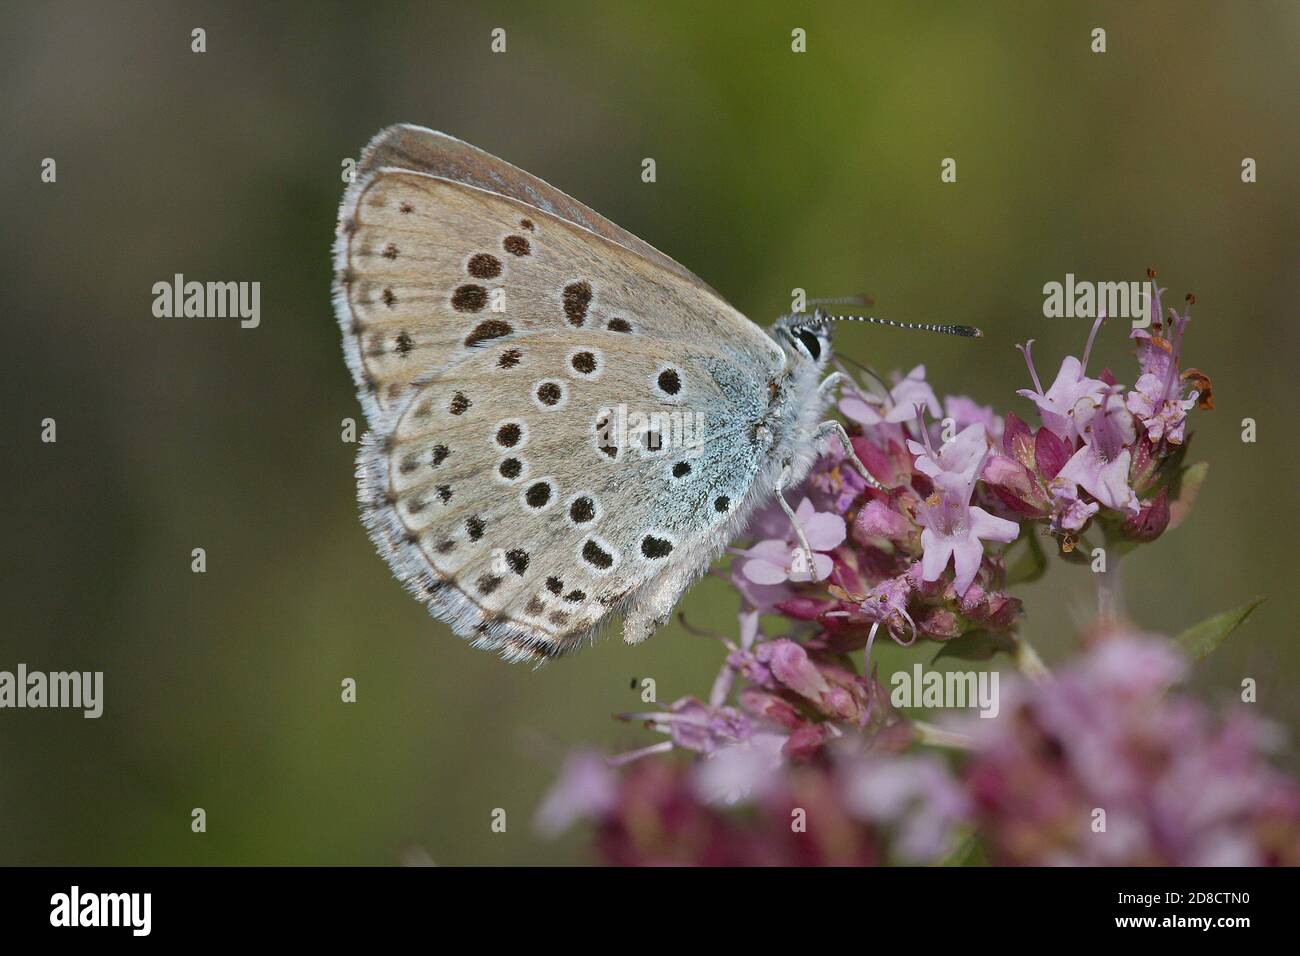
566 425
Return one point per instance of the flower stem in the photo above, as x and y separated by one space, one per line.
1110 595
1029 663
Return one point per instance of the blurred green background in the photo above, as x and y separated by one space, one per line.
775 170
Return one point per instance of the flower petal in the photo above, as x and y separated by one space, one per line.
822 566
988 527
761 571
855 409
966 556
824 531
937 550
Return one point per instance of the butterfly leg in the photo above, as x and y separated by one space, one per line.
841 377
833 381
805 555
837 430
836 379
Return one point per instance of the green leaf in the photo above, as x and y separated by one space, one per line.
1032 561
977 646
969 852
1200 639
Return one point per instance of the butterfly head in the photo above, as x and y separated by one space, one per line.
806 339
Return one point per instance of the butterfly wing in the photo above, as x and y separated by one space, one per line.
515 367
421 150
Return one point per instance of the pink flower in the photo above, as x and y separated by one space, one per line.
1152 520
774 561
953 529
887 601
1071 513
910 391
886 604
1153 353
587 789
1157 399
1101 465
956 530
916 796
965 411
961 457
790 665
693 725
1015 484
1059 405
740 771
878 520
1162 417
760 597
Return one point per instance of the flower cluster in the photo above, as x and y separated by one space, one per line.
1105 765
1103 454
1102 767
915 559
924 552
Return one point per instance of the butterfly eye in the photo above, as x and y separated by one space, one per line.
812 345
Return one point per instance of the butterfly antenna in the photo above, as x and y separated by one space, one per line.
860 298
967 331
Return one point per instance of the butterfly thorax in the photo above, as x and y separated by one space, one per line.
795 407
